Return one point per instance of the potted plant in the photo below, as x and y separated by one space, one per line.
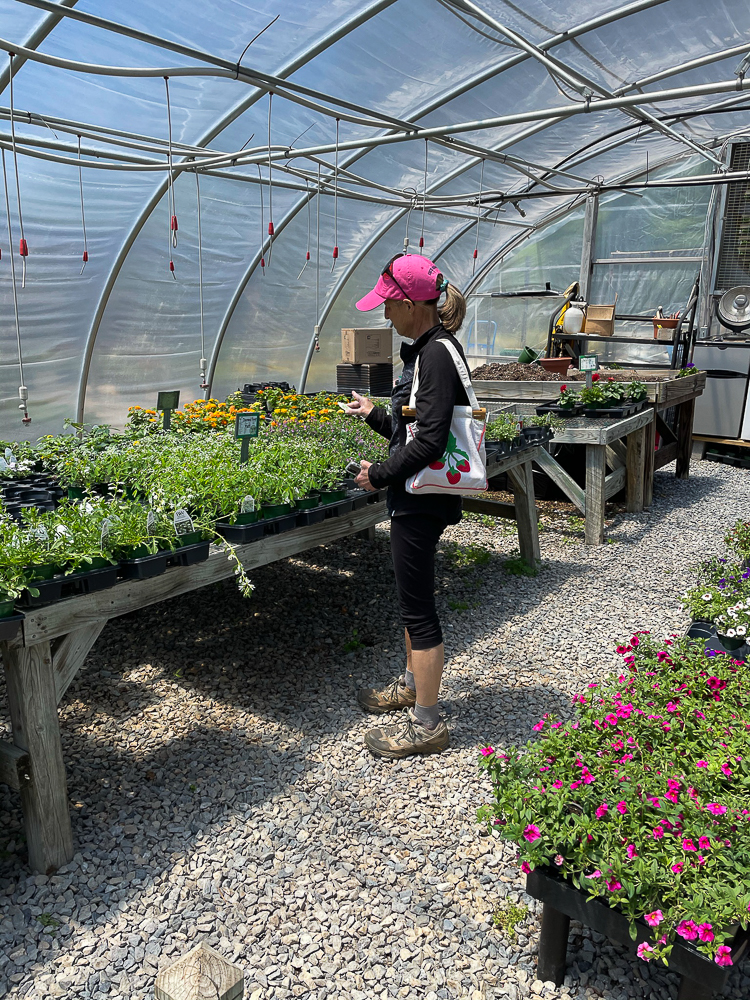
637 803
732 625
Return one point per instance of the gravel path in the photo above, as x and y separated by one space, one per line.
220 790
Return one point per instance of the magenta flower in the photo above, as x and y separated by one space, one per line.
704 843
557 784
614 885
622 808
723 955
715 809
532 833
559 860
726 770
658 832
486 751
631 852
539 726
526 867
602 810
677 868
688 845
598 874
688 929
654 919
645 951
705 932
701 763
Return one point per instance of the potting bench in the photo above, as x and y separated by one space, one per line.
53 641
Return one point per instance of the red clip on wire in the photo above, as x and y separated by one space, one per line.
307 256
335 253
475 255
173 225
23 249
171 265
421 242
85 256
270 229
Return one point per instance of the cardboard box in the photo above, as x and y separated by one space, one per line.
600 320
367 346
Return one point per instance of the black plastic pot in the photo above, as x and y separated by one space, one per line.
90 581
536 435
241 534
307 517
9 626
337 509
559 411
189 555
144 567
359 499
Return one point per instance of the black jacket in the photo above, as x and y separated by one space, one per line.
440 389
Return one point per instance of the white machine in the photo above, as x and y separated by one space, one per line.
723 409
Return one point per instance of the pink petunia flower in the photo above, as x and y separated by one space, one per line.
658 832
701 763
598 874
614 885
677 868
715 809
631 852
688 845
688 929
559 860
622 808
654 919
557 784
704 843
705 932
645 951
726 770
526 867
486 751
532 833
602 810
723 955
539 726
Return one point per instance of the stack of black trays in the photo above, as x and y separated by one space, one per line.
376 380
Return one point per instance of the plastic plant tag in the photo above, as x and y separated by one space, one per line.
3 465
151 523
183 523
63 532
106 527
41 534
87 507
247 506
10 458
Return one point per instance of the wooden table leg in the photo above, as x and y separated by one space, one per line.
648 464
685 414
36 729
553 945
596 471
527 517
634 466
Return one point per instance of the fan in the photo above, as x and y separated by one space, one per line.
733 308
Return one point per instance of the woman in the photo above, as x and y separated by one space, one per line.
411 286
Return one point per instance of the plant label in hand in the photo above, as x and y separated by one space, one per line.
247 506
183 523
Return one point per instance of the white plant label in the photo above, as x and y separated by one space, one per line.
3 465
10 458
41 533
183 523
63 532
151 523
248 505
106 528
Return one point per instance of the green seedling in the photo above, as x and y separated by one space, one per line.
47 920
507 916
468 557
517 566
354 644
459 605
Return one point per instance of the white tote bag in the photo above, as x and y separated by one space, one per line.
462 469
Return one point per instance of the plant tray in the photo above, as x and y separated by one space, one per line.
307 517
277 525
339 508
189 555
359 499
615 411
563 901
380 497
559 411
241 534
49 592
145 567
90 581
9 626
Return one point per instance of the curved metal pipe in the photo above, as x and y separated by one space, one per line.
36 37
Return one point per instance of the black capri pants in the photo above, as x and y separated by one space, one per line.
414 538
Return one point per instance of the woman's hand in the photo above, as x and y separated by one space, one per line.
363 479
360 406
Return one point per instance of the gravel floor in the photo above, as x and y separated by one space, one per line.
220 790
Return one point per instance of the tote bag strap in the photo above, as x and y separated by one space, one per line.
463 373
414 386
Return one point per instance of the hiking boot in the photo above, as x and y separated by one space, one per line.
407 739
393 697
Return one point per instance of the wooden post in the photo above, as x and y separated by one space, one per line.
553 945
684 428
36 729
648 462
596 471
527 518
202 974
634 465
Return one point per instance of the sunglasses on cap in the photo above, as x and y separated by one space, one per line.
387 272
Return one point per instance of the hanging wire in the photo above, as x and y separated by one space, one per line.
424 197
171 208
83 214
262 224
23 392
270 183
307 255
204 384
412 206
336 200
317 268
479 214
23 248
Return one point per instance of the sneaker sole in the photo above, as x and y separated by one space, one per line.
400 754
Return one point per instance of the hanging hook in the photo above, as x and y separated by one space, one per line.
83 214
412 206
336 200
23 392
23 248
307 254
171 206
424 196
270 183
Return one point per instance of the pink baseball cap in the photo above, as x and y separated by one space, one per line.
407 276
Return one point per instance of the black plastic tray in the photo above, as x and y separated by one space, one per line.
91 581
620 412
559 411
378 497
359 499
189 555
338 508
9 626
277 525
49 592
145 567
241 534
313 516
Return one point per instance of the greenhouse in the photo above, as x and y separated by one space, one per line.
374 508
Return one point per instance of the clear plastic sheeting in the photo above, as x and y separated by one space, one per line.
510 91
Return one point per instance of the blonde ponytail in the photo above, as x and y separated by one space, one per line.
453 311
